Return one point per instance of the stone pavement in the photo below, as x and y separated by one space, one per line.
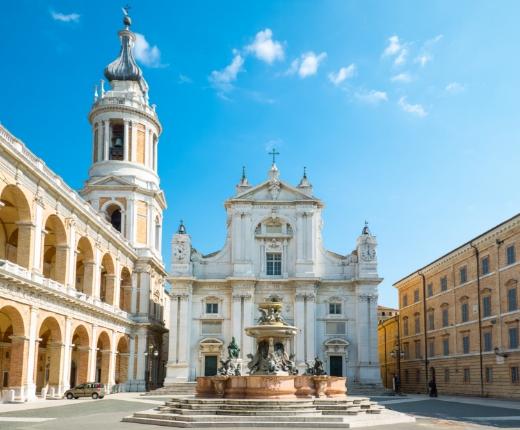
454 413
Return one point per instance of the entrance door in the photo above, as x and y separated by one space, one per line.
336 365
210 365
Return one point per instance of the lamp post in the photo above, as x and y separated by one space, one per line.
398 354
151 354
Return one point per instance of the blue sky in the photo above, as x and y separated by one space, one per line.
405 114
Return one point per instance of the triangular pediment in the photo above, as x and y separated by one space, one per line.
111 181
267 191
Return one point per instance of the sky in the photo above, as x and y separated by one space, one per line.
404 113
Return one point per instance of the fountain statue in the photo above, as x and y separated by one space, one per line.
272 370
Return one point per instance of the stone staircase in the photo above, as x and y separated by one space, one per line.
345 412
177 389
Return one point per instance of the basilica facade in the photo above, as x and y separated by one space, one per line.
274 250
81 274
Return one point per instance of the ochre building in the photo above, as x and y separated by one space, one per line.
81 275
459 318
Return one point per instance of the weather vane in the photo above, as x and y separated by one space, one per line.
274 153
127 21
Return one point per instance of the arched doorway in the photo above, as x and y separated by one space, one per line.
107 281
121 374
48 364
15 226
84 266
125 290
79 357
114 215
55 250
103 358
12 350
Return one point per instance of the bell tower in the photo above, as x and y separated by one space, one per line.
123 182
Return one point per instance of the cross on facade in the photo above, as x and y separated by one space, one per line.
274 153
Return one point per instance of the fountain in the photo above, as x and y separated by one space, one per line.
272 394
272 371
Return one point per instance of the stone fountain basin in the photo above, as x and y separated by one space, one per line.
271 387
274 331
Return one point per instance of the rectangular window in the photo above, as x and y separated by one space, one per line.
335 308
465 344
515 377
512 302
489 375
416 296
446 346
211 327
405 300
405 326
406 350
431 348
513 337
417 349
466 375
486 306
333 327
417 324
488 341
274 263
463 274
485 265
464 312
446 375
429 288
511 254
212 308
444 283
431 321
445 317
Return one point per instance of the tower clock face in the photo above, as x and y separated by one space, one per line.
179 252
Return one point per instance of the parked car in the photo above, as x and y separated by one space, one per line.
95 390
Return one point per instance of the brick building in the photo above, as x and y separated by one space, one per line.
459 318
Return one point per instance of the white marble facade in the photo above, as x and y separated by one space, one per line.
274 248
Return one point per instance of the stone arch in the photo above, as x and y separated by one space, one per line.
107 279
16 228
54 252
84 266
125 290
115 214
122 359
103 351
13 349
79 355
49 356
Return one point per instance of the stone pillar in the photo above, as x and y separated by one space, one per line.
55 353
60 270
82 366
67 354
134 142
237 318
96 275
310 325
299 322
38 244
126 141
130 219
30 386
140 377
24 253
133 305
178 368
93 354
18 366
112 362
110 289
131 359
106 136
249 312
366 322
89 278
144 291
71 262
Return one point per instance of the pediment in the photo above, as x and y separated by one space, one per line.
110 181
283 192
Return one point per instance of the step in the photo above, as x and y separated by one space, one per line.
253 418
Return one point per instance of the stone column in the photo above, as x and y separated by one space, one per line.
366 324
130 219
62 255
18 366
144 291
131 359
112 362
38 244
106 133
55 350
24 254
299 322
30 386
310 324
71 264
236 318
134 142
141 360
89 278
126 141
133 305
249 312
110 289
93 355
67 353
96 275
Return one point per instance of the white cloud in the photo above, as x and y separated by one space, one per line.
454 88
425 55
342 74
70 17
148 55
396 49
401 77
372 96
265 48
223 79
416 109
423 59
307 64
183 79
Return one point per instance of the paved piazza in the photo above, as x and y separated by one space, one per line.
442 413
